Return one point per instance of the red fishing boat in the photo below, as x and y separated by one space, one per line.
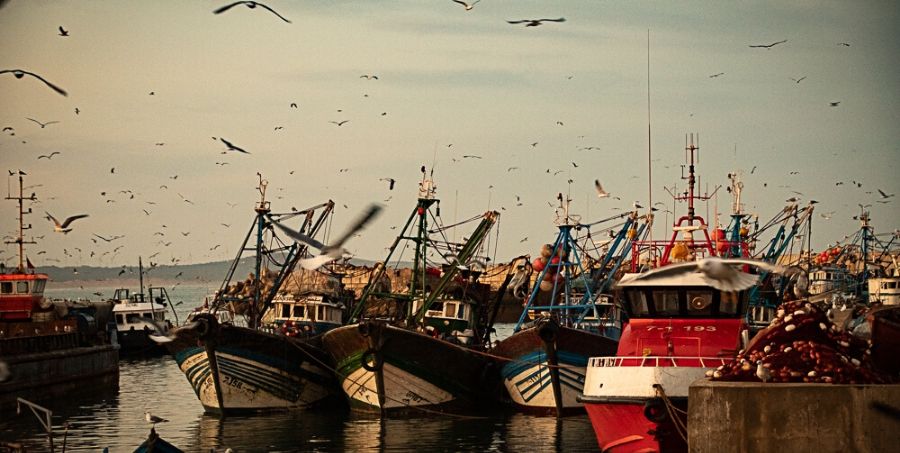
682 322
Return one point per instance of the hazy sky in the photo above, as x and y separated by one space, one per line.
445 76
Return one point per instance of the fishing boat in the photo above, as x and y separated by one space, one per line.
568 317
138 315
47 352
419 349
679 326
246 366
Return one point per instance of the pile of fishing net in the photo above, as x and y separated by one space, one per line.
803 345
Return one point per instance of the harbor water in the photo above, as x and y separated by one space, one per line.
113 418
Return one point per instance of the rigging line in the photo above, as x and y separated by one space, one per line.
435 230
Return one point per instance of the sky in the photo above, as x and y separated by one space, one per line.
450 83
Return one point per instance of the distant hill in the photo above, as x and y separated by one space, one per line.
213 271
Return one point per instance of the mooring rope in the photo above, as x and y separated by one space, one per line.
673 412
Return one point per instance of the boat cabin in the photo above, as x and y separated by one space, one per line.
132 310
680 316
308 313
20 293
446 315
884 290
829 278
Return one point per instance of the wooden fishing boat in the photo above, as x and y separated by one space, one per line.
250 366
567 319
420 349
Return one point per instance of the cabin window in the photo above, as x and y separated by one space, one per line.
22 287
120 319
132 318
889 285
665 302
461 311
6 287
638 301
320 313
730 303
437 306
299 311
158 316
449 310
39 286
285 311
699 302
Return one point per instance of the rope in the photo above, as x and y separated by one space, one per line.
680 425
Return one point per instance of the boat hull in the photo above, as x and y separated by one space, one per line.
236 369
528 372
55 370
389 370
624 426
137 343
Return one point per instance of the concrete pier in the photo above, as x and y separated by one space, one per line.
820 418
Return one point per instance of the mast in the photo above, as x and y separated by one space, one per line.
141 279
20 239
262 208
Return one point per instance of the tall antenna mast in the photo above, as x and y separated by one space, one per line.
649 145
20 239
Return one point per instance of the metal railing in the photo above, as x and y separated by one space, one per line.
657 361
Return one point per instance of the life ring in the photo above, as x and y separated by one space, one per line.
373 356
655 410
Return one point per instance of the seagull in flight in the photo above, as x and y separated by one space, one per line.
335 250
152 419
231 147
465 5
716 75
834 103
798 80
714 271
250 5
339 123
600 192
63 227
534 22
390 181
49 156
884 195
369 77
768 46
19 73
43 125
63 32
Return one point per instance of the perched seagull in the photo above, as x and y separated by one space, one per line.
19 73
43 125
762 372
63 32
335 250
534 22
600 192
390 181
716 272
250 5
231 147
152 418
768 46
49 156
63 227
467 6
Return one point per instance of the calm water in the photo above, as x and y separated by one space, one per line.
114 418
